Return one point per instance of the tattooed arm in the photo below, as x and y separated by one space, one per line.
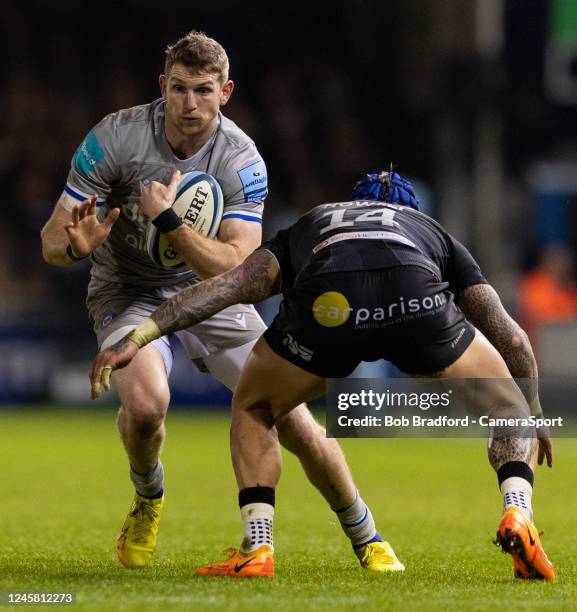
483 308
256 279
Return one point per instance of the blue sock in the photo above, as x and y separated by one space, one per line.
376 538
358 523
149 485
157 496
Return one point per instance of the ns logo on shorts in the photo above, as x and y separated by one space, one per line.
297 349
331 309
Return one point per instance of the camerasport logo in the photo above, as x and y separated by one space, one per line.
332 309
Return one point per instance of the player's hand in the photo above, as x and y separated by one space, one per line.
115 357
155 198
545 446
85 232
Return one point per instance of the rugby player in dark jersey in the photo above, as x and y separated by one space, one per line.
386 282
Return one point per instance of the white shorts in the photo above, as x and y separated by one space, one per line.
219 345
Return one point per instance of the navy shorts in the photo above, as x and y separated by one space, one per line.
329 323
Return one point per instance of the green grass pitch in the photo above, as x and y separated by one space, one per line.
65 492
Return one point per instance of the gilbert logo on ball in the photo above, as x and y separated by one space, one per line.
199 203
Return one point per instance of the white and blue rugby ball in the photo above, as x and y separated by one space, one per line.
199 203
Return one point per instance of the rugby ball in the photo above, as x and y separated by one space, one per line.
199 203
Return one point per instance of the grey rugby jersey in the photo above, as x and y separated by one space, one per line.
129 148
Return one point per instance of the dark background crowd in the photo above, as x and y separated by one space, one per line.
476 101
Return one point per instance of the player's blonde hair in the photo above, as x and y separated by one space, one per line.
198 51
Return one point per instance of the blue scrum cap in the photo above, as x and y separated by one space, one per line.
388 187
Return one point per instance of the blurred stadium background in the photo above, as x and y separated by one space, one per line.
476 101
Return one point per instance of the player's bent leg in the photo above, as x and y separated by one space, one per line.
143 389
322 458
325 465
269 388
512 457
144 393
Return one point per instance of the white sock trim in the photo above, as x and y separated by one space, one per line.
258 526
517 493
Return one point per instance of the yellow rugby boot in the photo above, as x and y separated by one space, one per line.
242 565
379 557
137 540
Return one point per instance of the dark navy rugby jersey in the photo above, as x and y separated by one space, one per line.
352 236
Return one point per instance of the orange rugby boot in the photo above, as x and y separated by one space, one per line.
242 565
519 537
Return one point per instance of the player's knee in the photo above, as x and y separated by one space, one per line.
145 421
261 410
298 430
145 411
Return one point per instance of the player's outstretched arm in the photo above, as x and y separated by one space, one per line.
256 279
483 308
69 237
54 238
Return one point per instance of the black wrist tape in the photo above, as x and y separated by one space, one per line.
72 256
167 221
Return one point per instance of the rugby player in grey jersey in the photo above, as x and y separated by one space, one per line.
101 214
